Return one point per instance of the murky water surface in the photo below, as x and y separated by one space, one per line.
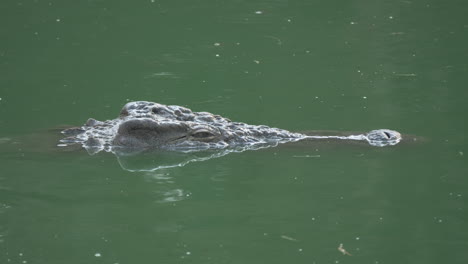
297 65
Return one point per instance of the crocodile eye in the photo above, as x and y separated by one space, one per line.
157 110
202 134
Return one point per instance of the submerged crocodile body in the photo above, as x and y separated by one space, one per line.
147 125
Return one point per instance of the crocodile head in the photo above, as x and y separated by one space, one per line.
146 125
193 136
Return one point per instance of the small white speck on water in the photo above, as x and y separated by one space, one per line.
257 61
390 17
258 12
188 253
352 23
313 218
364 97
300 250
58 20
217 55
97 255
459 152
289 20
20 254
357 238
217 44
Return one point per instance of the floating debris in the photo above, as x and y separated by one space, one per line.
278 40
169 75
342 250
405 74
306 156
289 238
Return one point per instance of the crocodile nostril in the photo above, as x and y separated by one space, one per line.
387 135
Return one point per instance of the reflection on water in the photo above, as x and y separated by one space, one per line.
174 195
159 159
167 189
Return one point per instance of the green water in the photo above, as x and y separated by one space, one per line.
299 65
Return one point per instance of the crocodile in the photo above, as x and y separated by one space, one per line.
144 125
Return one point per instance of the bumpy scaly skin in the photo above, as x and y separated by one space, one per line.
145 125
